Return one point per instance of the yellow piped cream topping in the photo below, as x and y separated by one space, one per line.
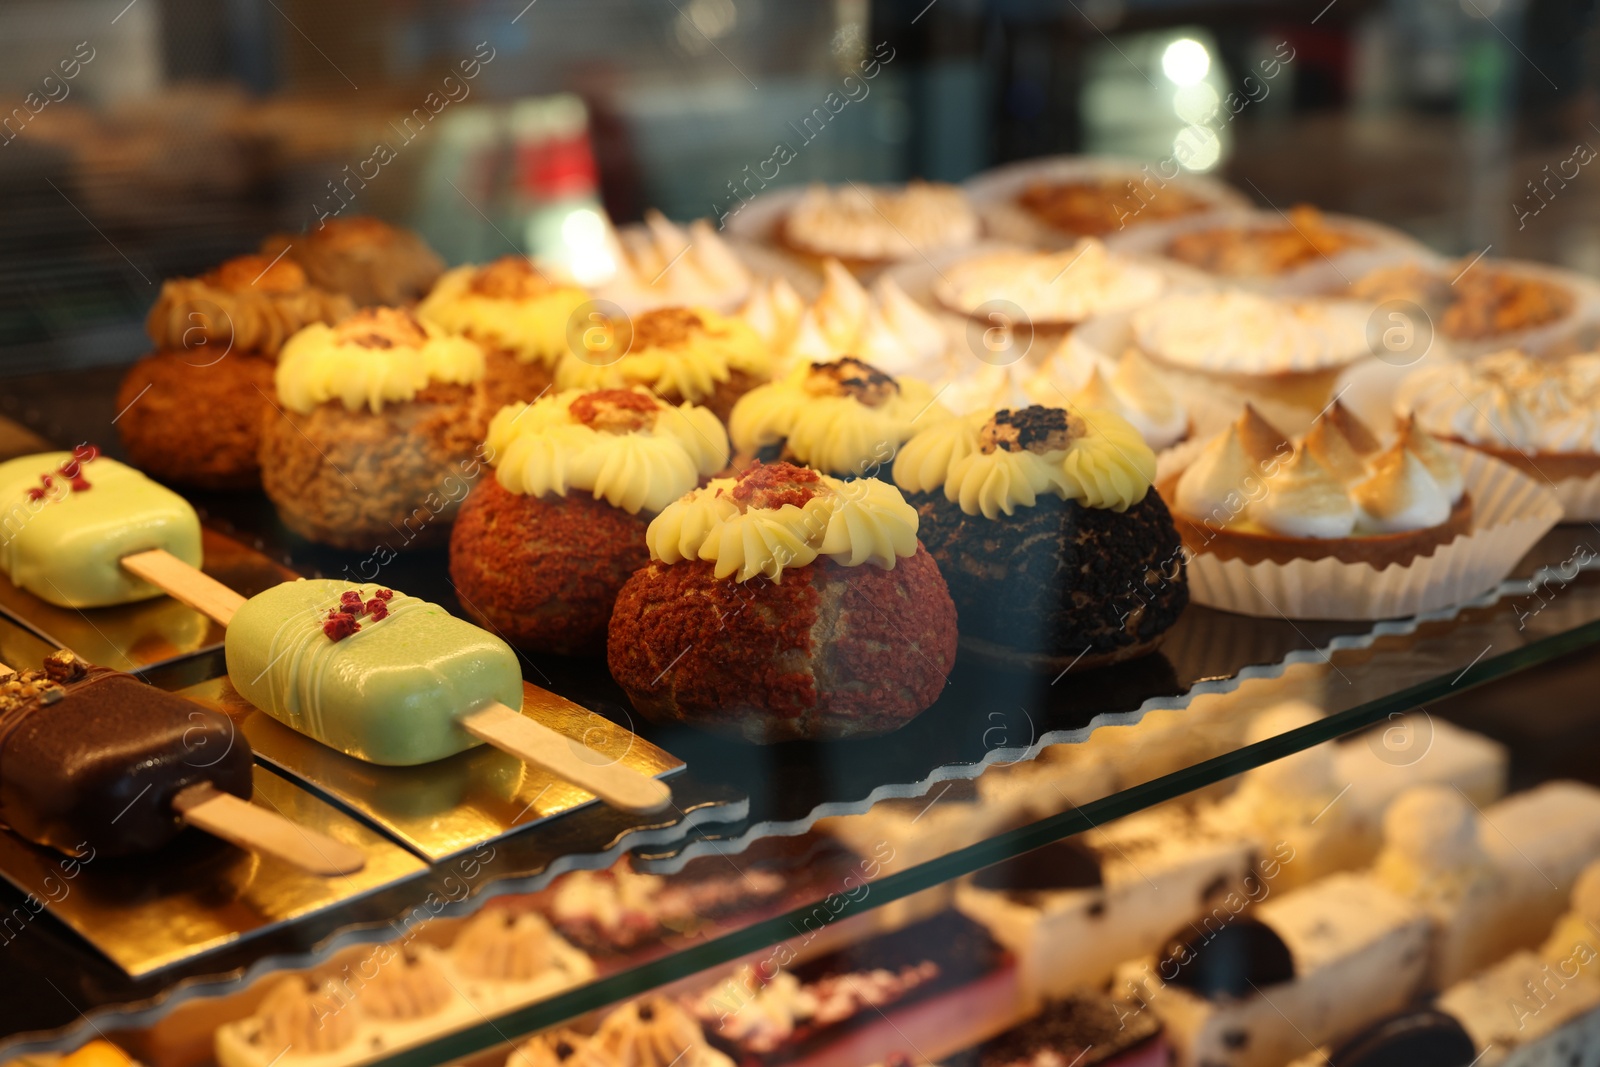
626 447
377 356
683 352
1099 460
506 304
844 416
797 517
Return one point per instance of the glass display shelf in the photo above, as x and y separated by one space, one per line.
1173 728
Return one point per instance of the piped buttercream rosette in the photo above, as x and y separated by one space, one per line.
773 518
1510 513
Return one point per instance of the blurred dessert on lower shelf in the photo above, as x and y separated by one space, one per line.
654 1032
1312 966
401 997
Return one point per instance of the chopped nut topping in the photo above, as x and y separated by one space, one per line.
665 327
510 278
44 685
849 376
616 410
381 328
1035 429
244 273
771 486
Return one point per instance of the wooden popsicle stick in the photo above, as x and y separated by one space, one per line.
508 730
185 584
256 829
539 746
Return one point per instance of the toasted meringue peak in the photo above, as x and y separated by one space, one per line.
1215 488
915 325
711 254
1355 431
1304 500
1261 440
1334 451
1441 464
842 307
810 343
1400 494
760 311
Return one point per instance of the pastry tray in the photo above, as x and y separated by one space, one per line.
134 637
198 894
440 809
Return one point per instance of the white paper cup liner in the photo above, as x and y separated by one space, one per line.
994 192
1579 498
1510 512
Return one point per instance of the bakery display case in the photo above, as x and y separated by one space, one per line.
1073 548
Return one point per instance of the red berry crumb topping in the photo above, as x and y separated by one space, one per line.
71 470
771 486
345 619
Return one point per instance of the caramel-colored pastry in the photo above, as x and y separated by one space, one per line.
376 437
248 304
298 1015
683 355
654 1032
1470 301
1542 416
845 417
407 987
866 226
193 422
1330 494
366 259
519 316
1235 251
1094 207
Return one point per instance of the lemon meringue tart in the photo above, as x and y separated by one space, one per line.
1255 495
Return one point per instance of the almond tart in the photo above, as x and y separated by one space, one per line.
1054 290
867 227
1254 495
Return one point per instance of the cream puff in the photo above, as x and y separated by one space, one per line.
1043 522
683 355
844 417
366 259
377 431
540 551
784 605
519 316
191 411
